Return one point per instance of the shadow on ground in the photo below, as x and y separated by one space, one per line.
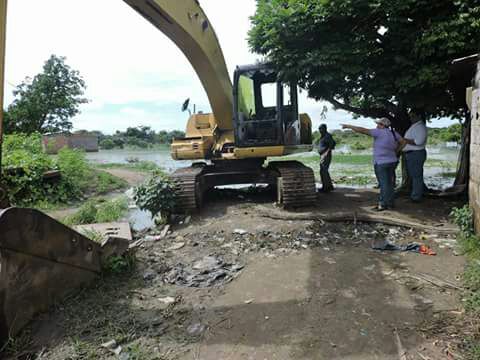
332 302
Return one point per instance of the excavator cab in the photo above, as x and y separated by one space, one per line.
265 109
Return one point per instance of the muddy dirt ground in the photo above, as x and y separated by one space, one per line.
234 283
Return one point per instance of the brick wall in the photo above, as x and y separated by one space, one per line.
89 143
474 189
53 143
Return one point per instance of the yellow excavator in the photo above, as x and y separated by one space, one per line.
257 117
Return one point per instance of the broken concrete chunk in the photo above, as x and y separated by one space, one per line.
106 230
240 232
167 300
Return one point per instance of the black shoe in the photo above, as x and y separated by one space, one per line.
381 208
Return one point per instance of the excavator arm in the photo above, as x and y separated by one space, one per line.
185 23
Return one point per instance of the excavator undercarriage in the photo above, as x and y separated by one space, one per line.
293 181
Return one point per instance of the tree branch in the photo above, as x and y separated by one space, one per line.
372 113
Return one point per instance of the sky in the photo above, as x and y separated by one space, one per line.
134 74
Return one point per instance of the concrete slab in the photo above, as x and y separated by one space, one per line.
106 230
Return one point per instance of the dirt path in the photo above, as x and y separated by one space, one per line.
268 289
133 177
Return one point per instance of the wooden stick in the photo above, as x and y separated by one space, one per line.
358 217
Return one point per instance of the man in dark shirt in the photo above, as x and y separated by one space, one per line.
325 147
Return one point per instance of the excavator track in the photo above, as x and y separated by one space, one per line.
189 197
295 185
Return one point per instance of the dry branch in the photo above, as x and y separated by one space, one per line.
359 217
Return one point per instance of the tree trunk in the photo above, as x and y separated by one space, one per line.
406 184
463 165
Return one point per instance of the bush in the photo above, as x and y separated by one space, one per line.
75 173
157 195
107 144
24 164
98 211
470 244
463 218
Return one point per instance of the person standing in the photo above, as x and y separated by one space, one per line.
415 141
325 148
385 160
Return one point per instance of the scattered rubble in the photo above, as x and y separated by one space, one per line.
206 272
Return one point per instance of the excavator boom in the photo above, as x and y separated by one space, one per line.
185 23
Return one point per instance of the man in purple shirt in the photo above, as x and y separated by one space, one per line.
385 160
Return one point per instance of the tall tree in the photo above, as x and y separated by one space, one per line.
375 58
47 102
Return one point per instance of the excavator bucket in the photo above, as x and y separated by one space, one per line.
41 261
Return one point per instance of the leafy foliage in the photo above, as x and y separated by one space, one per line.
75 171
24 164
470 244
452 133
157 195
463 218
374 58
138 137
98 211
119 264
47 102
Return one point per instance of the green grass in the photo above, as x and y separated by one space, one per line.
470 245
98 211
142 166
103 183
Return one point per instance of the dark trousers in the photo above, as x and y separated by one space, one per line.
324 174
385 174
415 161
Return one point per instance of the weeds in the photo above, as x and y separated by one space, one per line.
470 244
157 195
104 183
98 211
93 235
143 166
119 264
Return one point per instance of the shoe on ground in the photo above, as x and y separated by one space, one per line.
381 208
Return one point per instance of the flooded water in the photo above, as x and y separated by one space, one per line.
438 177
160 156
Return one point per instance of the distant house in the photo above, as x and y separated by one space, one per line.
52 143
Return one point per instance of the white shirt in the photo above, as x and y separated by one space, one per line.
418 133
